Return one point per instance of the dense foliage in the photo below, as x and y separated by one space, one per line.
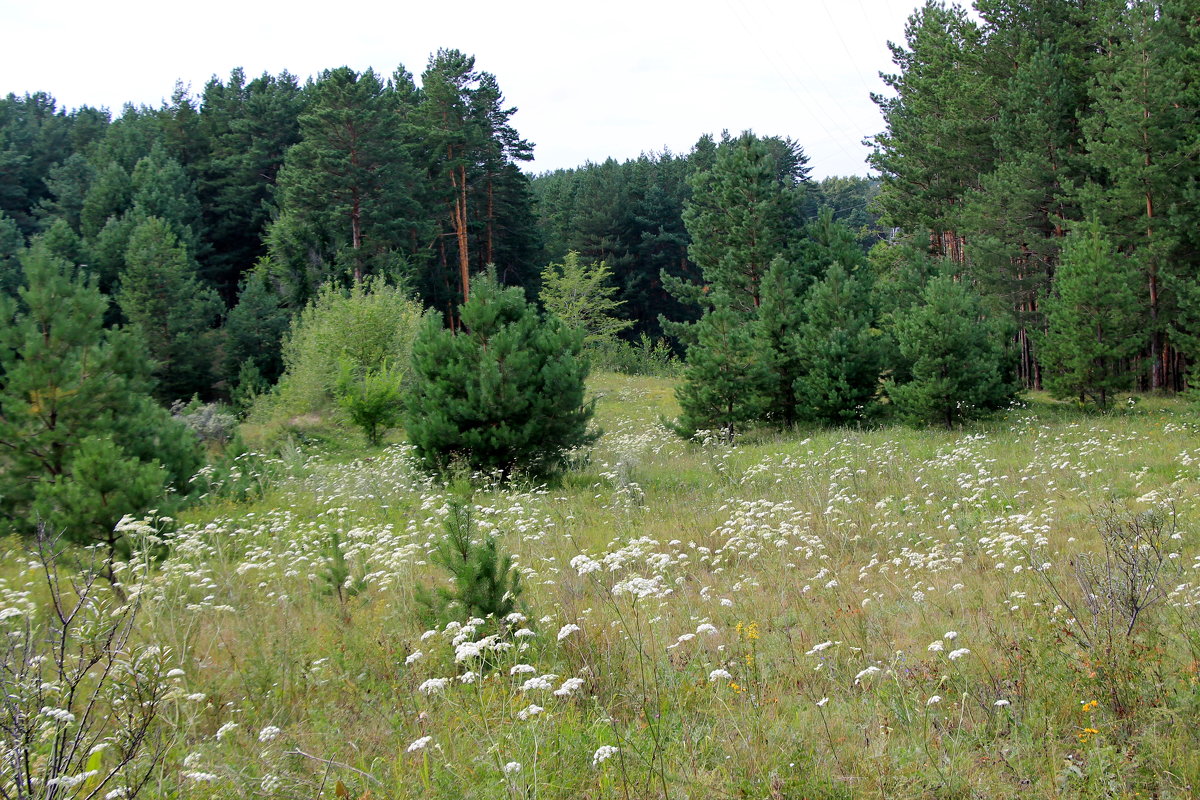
502 393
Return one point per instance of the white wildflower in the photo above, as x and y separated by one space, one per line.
569 686
567 630
604 753
541 682
521 669
1000 703
224 729
719 674
269 733
936 647
933 701
821 703
414 657
950 636
959 653
433 686
529 711
512 768
420 744
866 673
706 627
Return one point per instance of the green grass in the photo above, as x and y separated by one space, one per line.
878 541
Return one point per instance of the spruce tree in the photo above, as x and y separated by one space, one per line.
1094 324
955 365
502 393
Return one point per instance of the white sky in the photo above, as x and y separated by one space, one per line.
590 81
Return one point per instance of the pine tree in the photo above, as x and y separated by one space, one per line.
81 443
742 214
344 186
774 329
1093 320
956 367
161 296
839 352
504 392
725 377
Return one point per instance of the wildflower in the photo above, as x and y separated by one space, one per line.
200 777
270 782
933 701
529 711
542 682
175 673
521 634
936 647
420 744
950 636
414 657
224 729
467 677
512 768
708 628
819 647
568 687
604 753
269 733
866 673
1000 703
959 653
567 630
433 686
197 697
521 669
718 674
821 703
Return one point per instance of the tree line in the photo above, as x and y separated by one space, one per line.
1011 133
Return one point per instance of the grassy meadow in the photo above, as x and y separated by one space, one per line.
1007 610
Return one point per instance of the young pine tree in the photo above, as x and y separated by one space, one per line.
725 377
956 366
839 354
502 393
1093 320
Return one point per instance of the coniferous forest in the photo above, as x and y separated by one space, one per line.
722 425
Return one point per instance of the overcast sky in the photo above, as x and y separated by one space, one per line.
590 80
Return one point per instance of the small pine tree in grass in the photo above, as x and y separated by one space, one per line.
504 393
724 379
1092 324
779 317
484 582
956 367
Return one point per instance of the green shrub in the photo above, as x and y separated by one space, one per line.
371 399
370 325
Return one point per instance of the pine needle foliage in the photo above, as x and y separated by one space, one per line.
484 582
504 393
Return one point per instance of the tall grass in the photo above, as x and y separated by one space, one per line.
889 612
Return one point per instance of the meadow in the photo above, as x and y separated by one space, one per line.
1005 610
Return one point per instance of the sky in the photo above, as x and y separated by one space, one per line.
589 81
